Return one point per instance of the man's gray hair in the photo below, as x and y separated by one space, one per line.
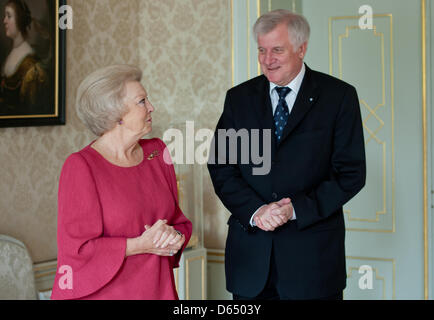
298 27
100 96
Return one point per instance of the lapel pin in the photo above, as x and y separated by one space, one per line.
310 99
153 155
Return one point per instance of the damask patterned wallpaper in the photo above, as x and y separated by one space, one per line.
185 54
183 47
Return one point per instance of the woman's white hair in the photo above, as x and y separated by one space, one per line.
100 96
298 27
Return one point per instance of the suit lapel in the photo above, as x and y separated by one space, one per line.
263 109
306 98
262 103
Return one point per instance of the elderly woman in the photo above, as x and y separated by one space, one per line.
24 83
120 229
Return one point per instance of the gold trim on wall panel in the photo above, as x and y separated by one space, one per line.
371 230
42 275
330 47
377 213
258 8
372 112
331 19
44 271
381 35
45 266
216 261
425 151
232 44
392 261
187 276
392 114
248 39
177 279
377 277
218 254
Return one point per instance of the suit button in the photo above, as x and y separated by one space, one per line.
274 196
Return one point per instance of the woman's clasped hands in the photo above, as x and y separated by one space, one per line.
160 239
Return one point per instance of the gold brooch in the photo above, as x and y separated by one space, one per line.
153 155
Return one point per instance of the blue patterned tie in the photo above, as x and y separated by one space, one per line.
282 113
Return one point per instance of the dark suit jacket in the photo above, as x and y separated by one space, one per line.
320 165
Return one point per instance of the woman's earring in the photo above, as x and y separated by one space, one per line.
120 122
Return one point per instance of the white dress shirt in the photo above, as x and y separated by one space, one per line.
294 85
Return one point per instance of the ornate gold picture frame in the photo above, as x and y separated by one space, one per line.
32 62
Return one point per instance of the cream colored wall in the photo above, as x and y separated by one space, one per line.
185 55
183 48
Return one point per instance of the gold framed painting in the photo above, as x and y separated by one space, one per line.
32 58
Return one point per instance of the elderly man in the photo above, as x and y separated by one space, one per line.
286 229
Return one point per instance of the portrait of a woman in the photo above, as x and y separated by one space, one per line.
24 81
